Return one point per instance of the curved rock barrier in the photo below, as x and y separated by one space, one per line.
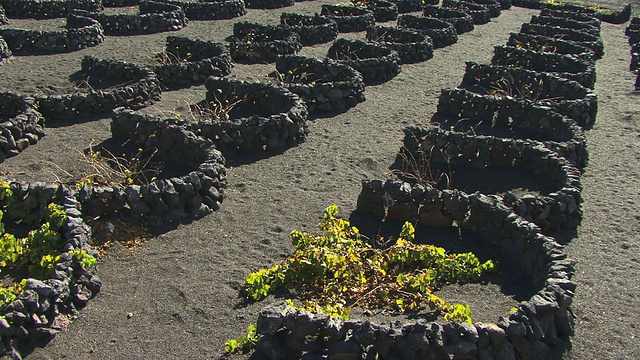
377 63
411 46
441 32
47 9
591 27
280 124
571 15
268 4
120 3
531 330
461 20
3 16
154 17
615 17
567 97
633 31
383 10
349 18
312 29
556 207
253 42
479 13
44 307
194 193
186 62
325 86
546 44
506 117
277 120
506 4
495 7
141 87
21 124
561 65
408 6
593 42
612 16
5 52
81 32
211 9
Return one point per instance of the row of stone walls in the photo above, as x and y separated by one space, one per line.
530 330
441 32
189 196
154 17
324 86
21 124
461 21
312 29
43 308
544 43
349 18
593 42
47 9
253 42
376 62
479 13
556 210
81 32
187 62
569 67
613 16
211 10
514 116
567 97
281 123
141 88
383 10
411 46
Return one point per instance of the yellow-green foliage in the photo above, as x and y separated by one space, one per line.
40 250
336 271
244 343
8 294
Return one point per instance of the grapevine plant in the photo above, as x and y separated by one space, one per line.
334 272
40 250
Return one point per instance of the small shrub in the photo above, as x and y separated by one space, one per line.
337 271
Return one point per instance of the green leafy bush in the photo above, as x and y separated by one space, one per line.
337 271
